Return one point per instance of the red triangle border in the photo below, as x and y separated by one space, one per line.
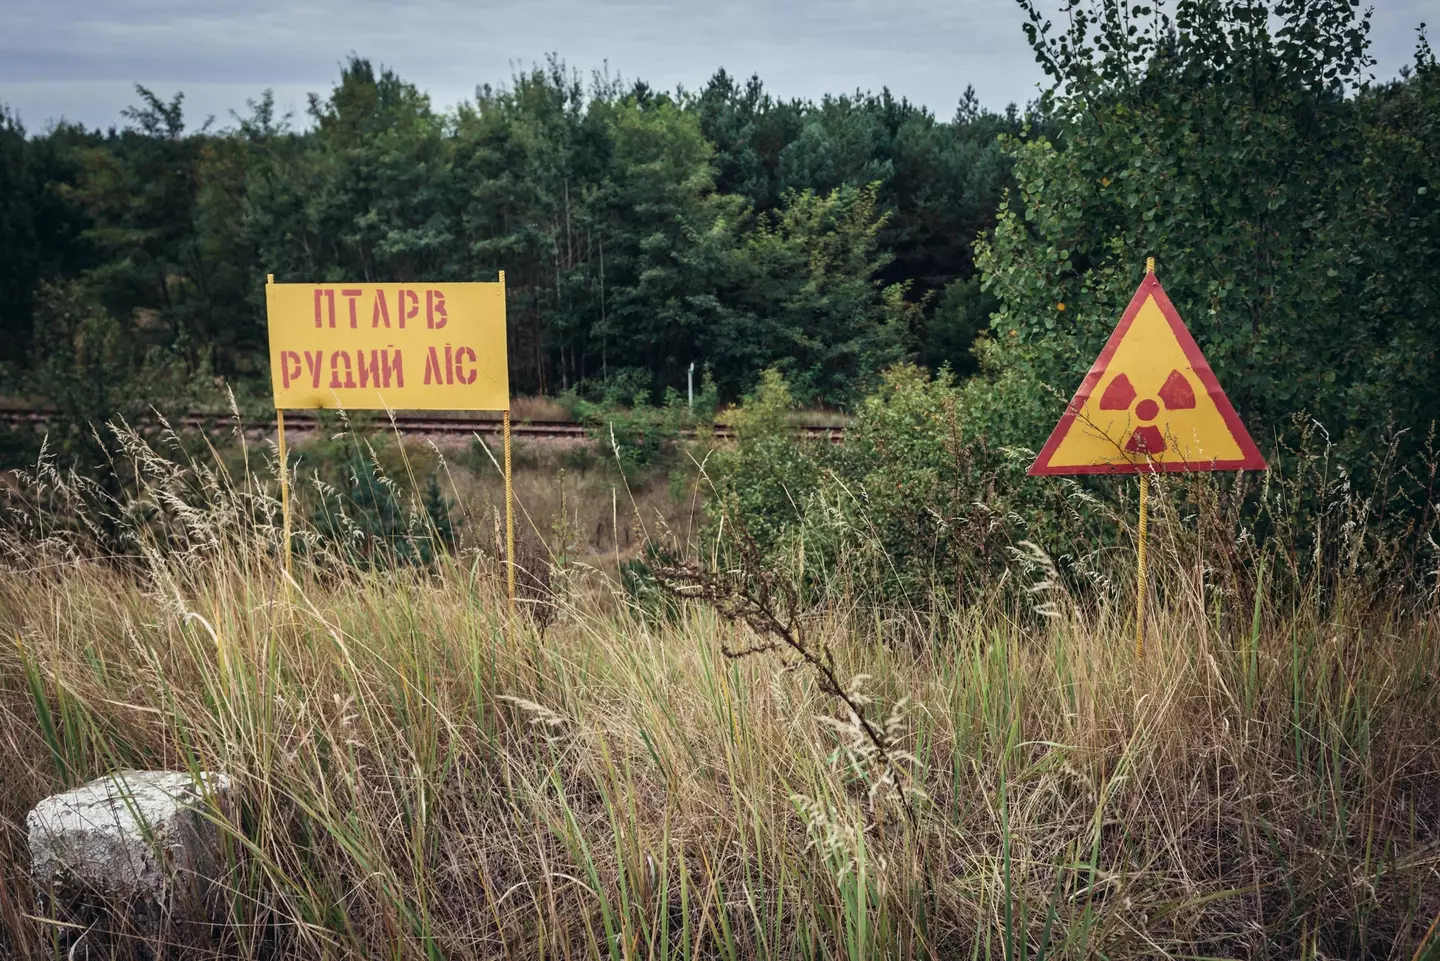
1150 287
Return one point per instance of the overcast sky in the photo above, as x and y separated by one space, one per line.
80 59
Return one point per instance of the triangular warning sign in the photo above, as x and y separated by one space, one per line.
1150 403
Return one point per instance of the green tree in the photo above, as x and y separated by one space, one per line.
658 198
164 214
810 299
18 261
939 182
41 224
750 131
528 166
1287 201
95 370
638 230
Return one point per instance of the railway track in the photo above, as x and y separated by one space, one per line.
421 424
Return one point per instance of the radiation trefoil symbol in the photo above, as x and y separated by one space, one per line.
1175 394
1150 403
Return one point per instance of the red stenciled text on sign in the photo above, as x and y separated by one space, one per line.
340 360
376 368
435 314
380 313
453 368
327 296
351 296
401 306
383 368
408 306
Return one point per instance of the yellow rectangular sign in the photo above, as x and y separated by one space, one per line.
416 346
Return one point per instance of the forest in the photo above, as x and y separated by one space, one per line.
640 230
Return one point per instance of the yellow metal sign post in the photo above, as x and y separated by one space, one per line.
1140 537
1150 404
412 346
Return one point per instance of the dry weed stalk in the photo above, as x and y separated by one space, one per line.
753 594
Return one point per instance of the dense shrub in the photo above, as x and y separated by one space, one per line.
623 423
766 478
908 502
1290 205
918 509
94 369
361 514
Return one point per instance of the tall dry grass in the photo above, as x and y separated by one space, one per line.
419 778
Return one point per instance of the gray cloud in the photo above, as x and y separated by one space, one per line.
79 58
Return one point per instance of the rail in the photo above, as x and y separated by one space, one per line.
422 424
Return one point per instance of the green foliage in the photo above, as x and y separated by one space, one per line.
638 436
18 267
41 225
642 589
940 182
911 495
20 446
638 230
918 513
951 331
1288 203
368 521
94 370
1290 209
807 294
909 504
707 401
161 208
766 477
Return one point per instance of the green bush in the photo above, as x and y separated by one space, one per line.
917 510
766 477
93 369
908 508
631 429
19 446
1289 203
948 335
642 589
363 516
911 500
